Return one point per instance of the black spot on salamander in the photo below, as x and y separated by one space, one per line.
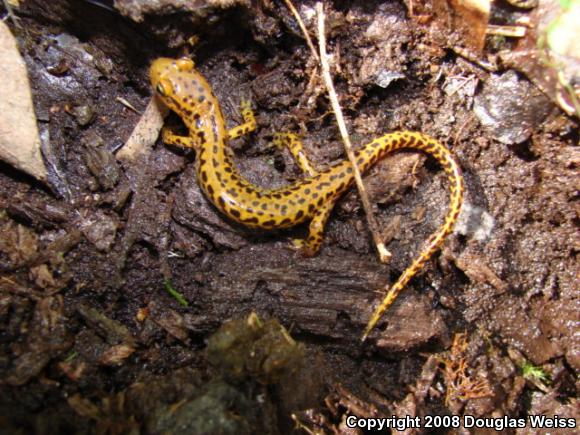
255 203
269 223
201 98
276 206
201 136
215 149
301 201
360 161
320 202
277 196
292 202
228 169
200 89
222 202
260 213
349 170
215 163
307 191
311 208
283 209
342 174
218 176
286 221
210 190
204 176
264 206
299 214
315 195
249 190
333 177
252 220
196 116
235 212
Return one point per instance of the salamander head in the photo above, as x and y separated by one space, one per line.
180 86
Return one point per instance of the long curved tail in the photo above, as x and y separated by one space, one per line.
416 141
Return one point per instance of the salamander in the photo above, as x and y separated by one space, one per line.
186 92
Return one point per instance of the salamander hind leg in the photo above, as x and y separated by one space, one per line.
294 145
249 124
311 245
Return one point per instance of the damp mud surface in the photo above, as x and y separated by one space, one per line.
116 279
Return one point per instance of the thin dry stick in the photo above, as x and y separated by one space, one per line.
10 13
302 27
384 255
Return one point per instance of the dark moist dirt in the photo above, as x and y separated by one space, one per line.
92 341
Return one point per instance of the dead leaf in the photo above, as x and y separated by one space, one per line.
72 370
145 132
550 55
19 139
456 22
19 242
478 271
43 277
84 407
115 355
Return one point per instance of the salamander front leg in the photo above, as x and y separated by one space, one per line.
169 136
311 245
294 145
249 124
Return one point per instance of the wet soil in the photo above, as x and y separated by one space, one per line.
91 338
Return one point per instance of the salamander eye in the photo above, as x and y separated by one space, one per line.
164 87
185 64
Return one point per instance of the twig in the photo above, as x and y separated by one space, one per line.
472 58
302 27
373 226
10 13
509 31
128 105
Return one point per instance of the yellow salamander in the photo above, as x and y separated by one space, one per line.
185 91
